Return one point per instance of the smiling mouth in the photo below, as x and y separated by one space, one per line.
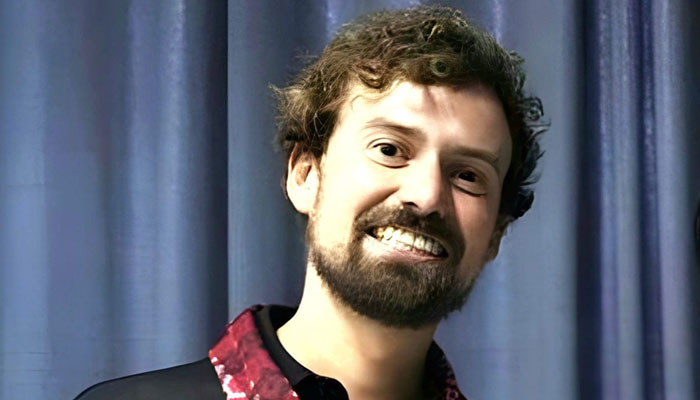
406 240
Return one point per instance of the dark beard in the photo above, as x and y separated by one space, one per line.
395 294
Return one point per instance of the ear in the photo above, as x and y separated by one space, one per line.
302 179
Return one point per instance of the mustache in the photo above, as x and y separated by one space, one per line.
444 230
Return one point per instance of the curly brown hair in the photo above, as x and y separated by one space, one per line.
430 45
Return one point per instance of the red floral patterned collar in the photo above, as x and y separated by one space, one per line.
246 370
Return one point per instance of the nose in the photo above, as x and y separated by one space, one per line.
424 188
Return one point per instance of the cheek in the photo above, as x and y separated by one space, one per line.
477 219
360 184
347 189
332 211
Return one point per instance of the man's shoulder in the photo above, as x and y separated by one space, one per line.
196 380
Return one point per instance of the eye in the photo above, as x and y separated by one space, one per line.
388 150
471 182
467 176
387 153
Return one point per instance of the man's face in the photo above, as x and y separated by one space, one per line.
409 193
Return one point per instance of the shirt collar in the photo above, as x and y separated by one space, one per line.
249 359
268 320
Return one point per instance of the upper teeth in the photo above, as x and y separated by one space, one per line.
400 238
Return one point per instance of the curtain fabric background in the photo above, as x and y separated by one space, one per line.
140 200
113 234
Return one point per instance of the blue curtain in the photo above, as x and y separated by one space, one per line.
113 180
140 200
637 275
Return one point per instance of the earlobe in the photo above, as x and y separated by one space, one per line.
302 180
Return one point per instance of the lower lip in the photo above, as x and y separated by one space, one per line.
377 247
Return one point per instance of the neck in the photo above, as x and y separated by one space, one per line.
371 360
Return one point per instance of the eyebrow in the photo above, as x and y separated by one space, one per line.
487 156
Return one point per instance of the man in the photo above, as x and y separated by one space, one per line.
410 145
